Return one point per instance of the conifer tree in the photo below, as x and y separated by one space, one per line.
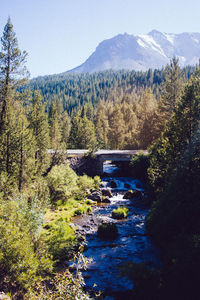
40 127
55 128
13 154
171 89
168 151
102 125
116 129
65 127
12 68
25 148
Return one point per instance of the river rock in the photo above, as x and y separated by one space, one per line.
106 200
113 184
133 194
127 185
106 192
96 196
102 184
107 230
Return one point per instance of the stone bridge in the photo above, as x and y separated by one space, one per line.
106 155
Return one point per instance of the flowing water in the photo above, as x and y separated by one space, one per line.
131 245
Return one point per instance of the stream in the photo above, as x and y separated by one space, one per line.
131 244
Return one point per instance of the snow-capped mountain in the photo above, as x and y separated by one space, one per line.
143 51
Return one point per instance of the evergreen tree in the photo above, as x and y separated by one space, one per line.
25 150
65 127
116 129
13 154
170 148
55 128
171 89
102 125
40 127
12 68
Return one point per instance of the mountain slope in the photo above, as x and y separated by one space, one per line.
141 52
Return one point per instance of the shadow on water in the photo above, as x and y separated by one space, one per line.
131 244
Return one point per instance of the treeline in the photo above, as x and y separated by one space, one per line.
75 90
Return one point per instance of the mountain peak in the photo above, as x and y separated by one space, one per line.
143 51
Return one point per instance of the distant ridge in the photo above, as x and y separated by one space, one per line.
141 52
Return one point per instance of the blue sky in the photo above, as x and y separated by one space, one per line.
60 35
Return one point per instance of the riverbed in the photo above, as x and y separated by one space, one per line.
107 257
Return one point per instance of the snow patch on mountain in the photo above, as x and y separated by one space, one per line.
151 43
143 51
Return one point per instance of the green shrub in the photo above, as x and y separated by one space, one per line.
61 240
23 255
120 212
62 183
67 285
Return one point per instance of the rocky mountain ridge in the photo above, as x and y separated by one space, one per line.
141 52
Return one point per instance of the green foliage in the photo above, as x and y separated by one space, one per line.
82 135
39 125
60 239
120 212
170 147
82 209
62 182
63 286
171 88
174 171
20 225
139 165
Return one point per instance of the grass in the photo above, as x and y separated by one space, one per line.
120 213
57 232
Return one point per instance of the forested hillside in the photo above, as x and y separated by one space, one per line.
74 90
118 110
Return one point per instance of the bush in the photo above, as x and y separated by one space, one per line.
82 210
23 255
61 240
62 182
120 213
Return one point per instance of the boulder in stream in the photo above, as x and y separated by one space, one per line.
96 196
106 192
106 200
107 231
136 194
113 184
